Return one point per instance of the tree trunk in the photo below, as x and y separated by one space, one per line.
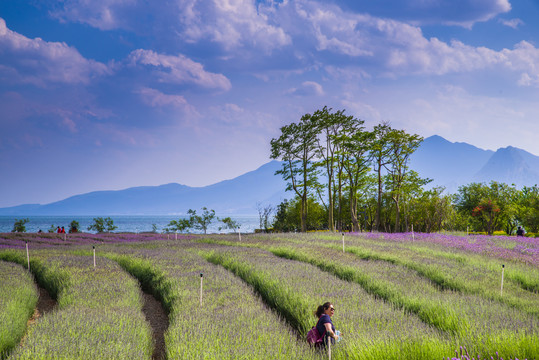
397 214
379 204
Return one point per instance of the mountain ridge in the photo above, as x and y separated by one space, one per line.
449 164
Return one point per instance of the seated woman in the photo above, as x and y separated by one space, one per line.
325 325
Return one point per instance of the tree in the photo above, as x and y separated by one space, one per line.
102 225
201 222
487 207
19 225
264 214
74 227
230 224
381 156
489 212
355 144
329 125
297 148
289 214
179 225
401 146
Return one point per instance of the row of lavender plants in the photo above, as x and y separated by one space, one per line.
465 317
466 272
371 328
99 310
468 317
18 298
39 240
231 322
449 268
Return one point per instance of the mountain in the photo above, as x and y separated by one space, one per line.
453 164
448 164
512 166
237 196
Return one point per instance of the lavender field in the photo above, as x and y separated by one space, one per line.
398 296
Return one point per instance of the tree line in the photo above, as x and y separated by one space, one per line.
346 177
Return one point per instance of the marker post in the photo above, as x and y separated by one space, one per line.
93 247
201 278
501 290
27 255
342 242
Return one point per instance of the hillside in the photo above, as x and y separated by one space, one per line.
448 164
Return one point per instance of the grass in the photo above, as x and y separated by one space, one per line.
99 312
18 298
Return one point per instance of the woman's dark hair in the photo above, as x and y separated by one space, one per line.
321 309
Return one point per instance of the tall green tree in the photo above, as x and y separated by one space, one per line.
381 157
296 147
355 144
401 145
329 126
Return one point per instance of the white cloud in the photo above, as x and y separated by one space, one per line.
178 69
231 23
307 88
156 98
101 14
39 62
513 23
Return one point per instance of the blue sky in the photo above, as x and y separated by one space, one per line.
110 94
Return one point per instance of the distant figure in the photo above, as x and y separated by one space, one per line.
520 231
58 230
325 325
39 231
63 230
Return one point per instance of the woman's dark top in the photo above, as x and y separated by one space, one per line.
321 327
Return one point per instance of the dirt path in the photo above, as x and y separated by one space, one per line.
158 319
44 305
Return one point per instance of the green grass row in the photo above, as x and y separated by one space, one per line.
98 316
18 298
231 323
472 319
371 328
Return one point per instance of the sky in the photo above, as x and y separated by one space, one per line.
111 94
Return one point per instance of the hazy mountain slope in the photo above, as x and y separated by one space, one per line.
448 164
510 165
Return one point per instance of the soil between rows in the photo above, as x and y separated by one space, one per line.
158 320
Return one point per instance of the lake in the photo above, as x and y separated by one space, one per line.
125 223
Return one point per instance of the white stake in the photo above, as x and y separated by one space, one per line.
201 277
329 347
413 236
27 256
176 235
94 255
239 234
65 236
501 291
342 242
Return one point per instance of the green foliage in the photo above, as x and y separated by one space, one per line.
230 224
74 227
52 229
179 225
102 225
289 214
201 222
19 225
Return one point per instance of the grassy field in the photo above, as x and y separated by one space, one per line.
398 296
